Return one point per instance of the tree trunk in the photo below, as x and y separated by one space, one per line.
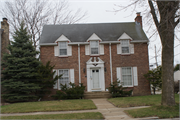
167 39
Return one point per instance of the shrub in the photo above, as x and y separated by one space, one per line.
118 90
72 92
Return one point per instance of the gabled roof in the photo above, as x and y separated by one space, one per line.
81 32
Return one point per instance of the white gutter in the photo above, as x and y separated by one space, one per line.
110 62
79 63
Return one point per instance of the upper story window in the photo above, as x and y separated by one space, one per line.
125 46
94 45
62 48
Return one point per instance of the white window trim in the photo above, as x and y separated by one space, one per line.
128 47
59 88
66 48
131 77
98 48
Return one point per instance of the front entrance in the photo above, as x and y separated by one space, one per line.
95 75
95 79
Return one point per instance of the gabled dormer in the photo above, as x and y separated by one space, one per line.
125 47
62 49
94 48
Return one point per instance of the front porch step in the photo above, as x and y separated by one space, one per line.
94 95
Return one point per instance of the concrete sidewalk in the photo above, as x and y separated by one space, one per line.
109 111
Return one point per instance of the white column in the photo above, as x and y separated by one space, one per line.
79 63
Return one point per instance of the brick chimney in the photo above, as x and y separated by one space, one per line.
138 19
4 36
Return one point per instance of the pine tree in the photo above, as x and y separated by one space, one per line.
19 74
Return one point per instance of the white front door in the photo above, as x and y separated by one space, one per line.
95 79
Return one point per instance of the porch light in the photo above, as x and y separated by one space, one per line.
84 70
105 69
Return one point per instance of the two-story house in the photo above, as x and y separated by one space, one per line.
98 54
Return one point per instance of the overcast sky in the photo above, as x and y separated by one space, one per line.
101 11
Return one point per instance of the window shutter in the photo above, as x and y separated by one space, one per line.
102 49
56 51
86 49
55 85
72 75
135 75
132 48
118 48
118 72
69 50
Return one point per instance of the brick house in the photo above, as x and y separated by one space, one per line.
98 54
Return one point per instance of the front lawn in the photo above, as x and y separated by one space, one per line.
138 101
63 105
88 115
158 111
152 100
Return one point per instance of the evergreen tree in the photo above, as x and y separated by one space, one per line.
46 79
19 74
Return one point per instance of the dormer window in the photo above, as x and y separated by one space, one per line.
62 48
94 45
125 46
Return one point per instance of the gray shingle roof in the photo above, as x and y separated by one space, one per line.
81 32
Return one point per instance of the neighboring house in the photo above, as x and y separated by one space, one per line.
98 54
177 75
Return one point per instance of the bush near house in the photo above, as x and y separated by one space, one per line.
72 92
118 90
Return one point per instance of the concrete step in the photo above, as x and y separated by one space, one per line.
93 95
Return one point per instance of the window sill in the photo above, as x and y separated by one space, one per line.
129 86
95 55
63 56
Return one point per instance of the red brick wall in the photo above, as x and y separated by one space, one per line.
139 59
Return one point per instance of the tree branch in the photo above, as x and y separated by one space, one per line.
153 14
177 22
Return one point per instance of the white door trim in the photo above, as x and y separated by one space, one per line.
96 64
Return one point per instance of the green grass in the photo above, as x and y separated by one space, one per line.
63 105
88 115
149 100
152 100
157 111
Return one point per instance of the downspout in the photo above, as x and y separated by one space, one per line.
110 62
79 63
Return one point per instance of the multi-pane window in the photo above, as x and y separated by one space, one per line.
127 76
94 47
65 77
125 46
62 48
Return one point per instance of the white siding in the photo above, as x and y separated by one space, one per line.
118 48
72 75
55 85
135 75
86 49
56 51
101 49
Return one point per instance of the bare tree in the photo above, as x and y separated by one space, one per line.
36 13
166 17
